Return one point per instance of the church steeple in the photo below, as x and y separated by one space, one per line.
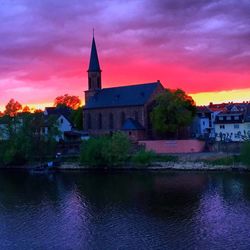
94 72
94 65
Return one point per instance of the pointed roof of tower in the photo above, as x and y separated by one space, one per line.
94 62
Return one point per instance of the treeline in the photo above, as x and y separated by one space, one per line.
71 102
23 139
28 135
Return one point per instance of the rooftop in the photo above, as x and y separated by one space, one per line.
133 95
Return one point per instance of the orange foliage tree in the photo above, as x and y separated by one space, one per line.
73 102
26 109
36 111
12 108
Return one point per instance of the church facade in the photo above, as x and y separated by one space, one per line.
125 108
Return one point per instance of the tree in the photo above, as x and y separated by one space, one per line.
77 118
106 150
245 152
36 111
72 102
26 109
30 142
173 110
12 108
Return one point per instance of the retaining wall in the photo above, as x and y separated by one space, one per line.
174 146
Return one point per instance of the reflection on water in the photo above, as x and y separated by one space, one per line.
167 210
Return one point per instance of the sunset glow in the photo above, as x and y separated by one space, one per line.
198 46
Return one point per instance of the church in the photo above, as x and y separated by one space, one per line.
125 108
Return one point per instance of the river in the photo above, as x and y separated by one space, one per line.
129 210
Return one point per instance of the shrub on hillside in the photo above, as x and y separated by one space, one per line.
245 153
105 150
143 157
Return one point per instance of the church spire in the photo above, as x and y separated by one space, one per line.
94 65
94 72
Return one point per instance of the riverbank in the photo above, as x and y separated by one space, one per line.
197 166
198 162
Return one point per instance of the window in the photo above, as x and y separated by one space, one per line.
136 115
237 135
90 83
236 126
222 126
203 123
236 118
220 118
61 120
98 82
228 118
111 121
100 121
89 121
123 117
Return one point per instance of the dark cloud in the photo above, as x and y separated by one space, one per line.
49 39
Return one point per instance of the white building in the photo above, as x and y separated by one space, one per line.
233 124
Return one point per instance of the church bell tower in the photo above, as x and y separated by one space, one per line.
94 73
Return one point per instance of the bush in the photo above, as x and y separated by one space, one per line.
143 157
245 153
105 150
226 161
12 156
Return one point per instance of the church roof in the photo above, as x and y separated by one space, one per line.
94 61
131 124
133 95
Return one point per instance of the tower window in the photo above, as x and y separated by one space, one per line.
98 82
89 121
90 83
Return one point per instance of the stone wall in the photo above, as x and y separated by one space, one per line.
227 147
174 146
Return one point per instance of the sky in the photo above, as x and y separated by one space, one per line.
202 47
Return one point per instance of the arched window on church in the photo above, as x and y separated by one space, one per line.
123 117
111 121
89 125
100 121
136 116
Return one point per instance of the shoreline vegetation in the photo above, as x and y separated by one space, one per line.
183 162
159 166
117 152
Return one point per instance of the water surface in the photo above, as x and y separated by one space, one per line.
135 210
